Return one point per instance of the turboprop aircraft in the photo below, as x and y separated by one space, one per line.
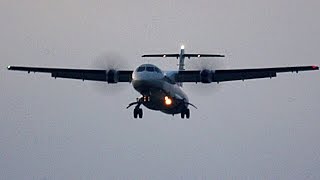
162 90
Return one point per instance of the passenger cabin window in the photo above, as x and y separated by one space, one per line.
141 68
150 68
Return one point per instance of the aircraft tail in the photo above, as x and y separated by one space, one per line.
181 56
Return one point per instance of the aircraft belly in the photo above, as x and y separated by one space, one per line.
158 105
157 90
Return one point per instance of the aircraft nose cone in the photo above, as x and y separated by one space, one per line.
139 76
146 76
144 81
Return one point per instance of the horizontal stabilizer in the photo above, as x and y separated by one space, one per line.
202 55
183 55
161 55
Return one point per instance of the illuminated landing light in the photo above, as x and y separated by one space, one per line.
164 56
167 101
199 55
8 67
182 46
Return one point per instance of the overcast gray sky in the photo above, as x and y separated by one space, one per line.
65 129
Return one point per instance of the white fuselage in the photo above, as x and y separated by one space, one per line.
158 90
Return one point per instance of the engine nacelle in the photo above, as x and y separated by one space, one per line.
206 76
112 76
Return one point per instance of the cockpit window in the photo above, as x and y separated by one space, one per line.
157 70
141 68
150 68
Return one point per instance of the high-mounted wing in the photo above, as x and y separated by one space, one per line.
208 76
111 76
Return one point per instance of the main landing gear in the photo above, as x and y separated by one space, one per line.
137 112
185 113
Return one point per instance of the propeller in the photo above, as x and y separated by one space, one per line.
110 61
201 64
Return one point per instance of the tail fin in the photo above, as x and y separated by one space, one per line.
182 56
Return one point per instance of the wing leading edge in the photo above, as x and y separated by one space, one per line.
208 76
111 76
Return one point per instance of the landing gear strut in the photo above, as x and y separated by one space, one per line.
185 113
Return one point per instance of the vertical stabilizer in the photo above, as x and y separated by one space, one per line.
181 62
181 58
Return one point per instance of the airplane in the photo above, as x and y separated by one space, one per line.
162 90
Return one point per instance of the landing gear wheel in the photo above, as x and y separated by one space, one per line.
185 113
140 112
137 112
182 115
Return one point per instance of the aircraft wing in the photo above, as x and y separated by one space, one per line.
207 76
111 76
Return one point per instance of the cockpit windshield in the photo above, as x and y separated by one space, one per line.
141 68
157 70
149 68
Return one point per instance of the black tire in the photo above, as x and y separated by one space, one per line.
182 115
188 113
140 112
135 113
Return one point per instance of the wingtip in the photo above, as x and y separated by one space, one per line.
8 67
315 67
